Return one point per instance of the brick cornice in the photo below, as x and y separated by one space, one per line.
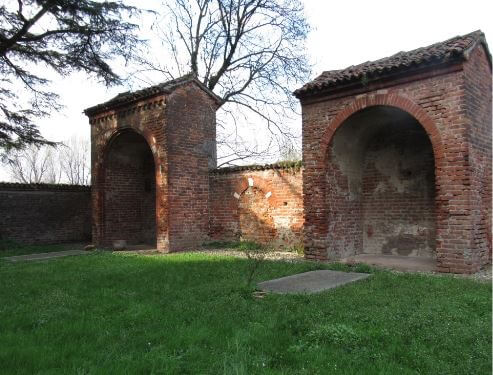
126 110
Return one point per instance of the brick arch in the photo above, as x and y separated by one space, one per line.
102 156
428 124
260 183
255 219
391 100
110 139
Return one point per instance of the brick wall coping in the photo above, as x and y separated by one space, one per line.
15 186
256 167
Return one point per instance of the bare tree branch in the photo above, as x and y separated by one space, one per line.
249 52
69 163
75 161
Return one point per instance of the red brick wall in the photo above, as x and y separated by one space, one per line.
437 99
191 145
478 118
259 205
129 202
45 214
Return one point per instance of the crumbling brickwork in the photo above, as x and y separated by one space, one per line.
258 205
396 161
450 97
477 119
44 213
381 181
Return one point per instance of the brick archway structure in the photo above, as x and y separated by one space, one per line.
267 199
446 87
103 141
408 106
255 219
382 101
177 121
255 201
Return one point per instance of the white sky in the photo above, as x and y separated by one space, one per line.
344 33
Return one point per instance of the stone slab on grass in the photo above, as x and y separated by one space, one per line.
45 256
310 282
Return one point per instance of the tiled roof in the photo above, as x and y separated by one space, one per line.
454 49
161 88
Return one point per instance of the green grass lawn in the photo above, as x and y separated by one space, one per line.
11 248
109 313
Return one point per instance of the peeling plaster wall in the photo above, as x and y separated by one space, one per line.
380 186
344 177
398 194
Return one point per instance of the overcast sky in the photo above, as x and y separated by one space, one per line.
344 33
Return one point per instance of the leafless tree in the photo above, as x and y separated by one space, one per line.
54 171
68 163
75 163
249 52
289 151
33 164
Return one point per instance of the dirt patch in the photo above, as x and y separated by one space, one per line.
274 255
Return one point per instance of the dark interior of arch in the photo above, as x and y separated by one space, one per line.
130 191
381 186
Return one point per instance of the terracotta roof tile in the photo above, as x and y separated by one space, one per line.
161 88
454 49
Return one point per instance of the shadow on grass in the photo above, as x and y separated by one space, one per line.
190 313
12 248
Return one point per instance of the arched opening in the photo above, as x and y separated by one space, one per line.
381 186
129 191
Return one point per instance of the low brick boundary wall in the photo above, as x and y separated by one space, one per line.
45 213
258 203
